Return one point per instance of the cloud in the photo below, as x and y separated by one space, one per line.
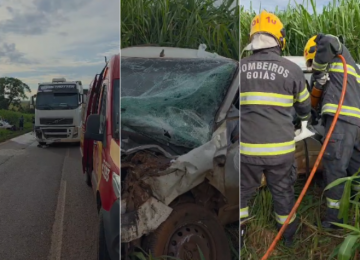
280 4
10 55
42 39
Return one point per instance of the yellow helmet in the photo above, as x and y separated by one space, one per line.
268 23
310 51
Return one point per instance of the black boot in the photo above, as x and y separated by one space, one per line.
289 233
288 241
327 225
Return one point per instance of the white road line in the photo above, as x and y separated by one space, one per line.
57 231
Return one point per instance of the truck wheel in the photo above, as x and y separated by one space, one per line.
88 178
103 253
188 227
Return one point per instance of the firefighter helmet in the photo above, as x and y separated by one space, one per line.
268 23
310 51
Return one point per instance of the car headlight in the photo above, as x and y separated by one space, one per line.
116 184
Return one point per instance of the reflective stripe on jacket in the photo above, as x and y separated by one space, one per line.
270 87
327 61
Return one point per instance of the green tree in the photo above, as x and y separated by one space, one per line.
12 90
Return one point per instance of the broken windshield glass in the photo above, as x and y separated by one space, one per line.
173 100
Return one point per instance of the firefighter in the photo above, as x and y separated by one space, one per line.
342 154
271 86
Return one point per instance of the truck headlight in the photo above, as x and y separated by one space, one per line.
116 184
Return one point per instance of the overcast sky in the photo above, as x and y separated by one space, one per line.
270 5
43 39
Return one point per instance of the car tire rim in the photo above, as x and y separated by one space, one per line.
185 241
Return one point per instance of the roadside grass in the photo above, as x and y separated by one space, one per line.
6 134
311 242
13 118
338 17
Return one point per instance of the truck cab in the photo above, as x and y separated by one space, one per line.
100 151
58 108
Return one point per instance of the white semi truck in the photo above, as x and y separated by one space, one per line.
58 109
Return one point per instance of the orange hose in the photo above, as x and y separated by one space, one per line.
316 165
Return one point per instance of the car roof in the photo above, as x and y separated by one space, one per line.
300 61
169 52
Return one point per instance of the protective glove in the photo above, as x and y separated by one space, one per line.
320 79
323 80
330 42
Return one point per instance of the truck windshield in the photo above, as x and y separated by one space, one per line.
57 100
116 108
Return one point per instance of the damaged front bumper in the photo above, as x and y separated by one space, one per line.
144 220
60 134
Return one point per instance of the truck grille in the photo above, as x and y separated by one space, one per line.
56 121
53 133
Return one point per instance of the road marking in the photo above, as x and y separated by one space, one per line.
57 231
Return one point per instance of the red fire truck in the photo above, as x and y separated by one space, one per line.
100 152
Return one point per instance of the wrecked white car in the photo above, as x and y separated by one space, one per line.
179 166
6 125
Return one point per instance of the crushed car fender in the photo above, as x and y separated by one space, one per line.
191 169
144 220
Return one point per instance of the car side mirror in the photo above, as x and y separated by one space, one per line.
93 128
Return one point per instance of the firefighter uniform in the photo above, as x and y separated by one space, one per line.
342 154
270 87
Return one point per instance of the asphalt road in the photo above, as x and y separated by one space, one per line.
46 209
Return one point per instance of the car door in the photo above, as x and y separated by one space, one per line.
98 146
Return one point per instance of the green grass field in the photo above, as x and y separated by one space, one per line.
312 243
339 17
13 118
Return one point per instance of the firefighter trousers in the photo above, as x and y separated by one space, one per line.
341 159
280 180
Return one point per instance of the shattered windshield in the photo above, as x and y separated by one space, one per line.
173 100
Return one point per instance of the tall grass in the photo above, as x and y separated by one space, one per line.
339 17
182 23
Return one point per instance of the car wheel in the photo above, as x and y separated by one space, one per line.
188 227
42 143
103 253
88 178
